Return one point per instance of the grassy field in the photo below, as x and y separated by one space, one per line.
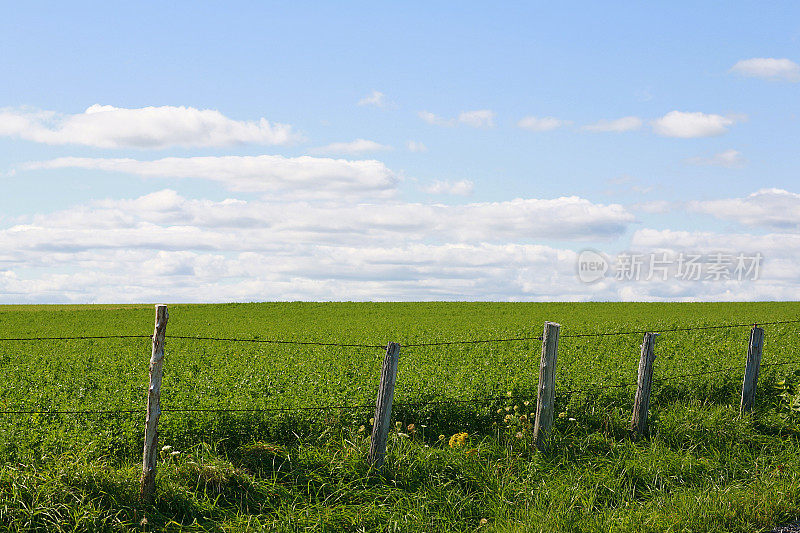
702 469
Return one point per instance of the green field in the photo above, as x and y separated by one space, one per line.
702 469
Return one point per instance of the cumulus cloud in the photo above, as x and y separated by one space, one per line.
728 159
416 146
459 188
481 118
202 250
531 123
767 264
394 271
376 99
617 125
106 126
166 220
768 68
313 176
405 272
358 146
774 209
689 125
780 251
165 245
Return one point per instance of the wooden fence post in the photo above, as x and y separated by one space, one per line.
147 487
383 406
751 369
545 399
641 403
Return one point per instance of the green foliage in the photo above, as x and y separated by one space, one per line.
703 468
788 393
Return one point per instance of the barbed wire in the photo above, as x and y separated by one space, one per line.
443 343
275 341
410 345
690 328
76 338
73 412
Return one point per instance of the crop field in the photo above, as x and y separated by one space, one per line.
279 432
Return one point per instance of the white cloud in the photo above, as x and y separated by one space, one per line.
617 125
376 99
688 125
358 146
416 146
778 278
393 271
481 118
313 176
406 272
165 220
531 123
768 68
162 244
435 120
459 188
774 245
774 209
728 159
106 126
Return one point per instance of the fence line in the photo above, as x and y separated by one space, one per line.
545 395
444 343
412 345
77 338
691 328
277 341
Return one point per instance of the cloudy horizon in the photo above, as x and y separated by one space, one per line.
418 170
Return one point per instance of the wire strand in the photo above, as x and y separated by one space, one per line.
77 338
412 345
276 341
693 328
443 343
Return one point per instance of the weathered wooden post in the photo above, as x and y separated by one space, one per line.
147 487
751 369
641 403
545 399
383 406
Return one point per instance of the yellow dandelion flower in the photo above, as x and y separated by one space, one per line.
457 440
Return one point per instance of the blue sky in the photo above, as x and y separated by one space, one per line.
258 151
